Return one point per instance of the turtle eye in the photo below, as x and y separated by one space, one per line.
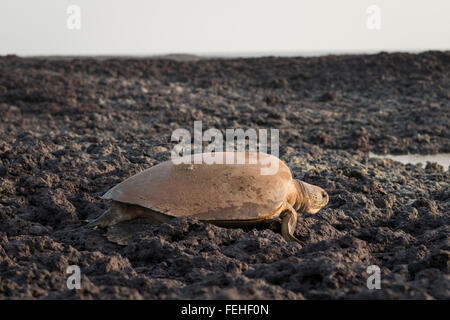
324 194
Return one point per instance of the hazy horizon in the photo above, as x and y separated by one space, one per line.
180 56
219 28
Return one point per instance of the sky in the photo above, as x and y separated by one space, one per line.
149 27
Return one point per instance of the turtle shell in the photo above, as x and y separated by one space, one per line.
209 191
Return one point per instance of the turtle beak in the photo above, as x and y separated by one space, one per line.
325 198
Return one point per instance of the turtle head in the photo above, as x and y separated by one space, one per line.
311 198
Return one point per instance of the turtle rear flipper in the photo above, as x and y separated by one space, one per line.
117 213
122 233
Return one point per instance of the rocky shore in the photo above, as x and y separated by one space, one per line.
70 129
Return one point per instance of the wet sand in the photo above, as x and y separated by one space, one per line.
442 159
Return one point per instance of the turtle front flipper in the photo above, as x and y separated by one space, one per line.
117 213
288 225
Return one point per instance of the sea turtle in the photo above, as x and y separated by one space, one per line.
227 195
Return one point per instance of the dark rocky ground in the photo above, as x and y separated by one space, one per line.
72 128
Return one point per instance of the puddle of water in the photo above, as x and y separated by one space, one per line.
441 158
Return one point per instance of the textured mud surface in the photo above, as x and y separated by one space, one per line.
71 129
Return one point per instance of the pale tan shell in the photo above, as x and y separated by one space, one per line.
208 192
